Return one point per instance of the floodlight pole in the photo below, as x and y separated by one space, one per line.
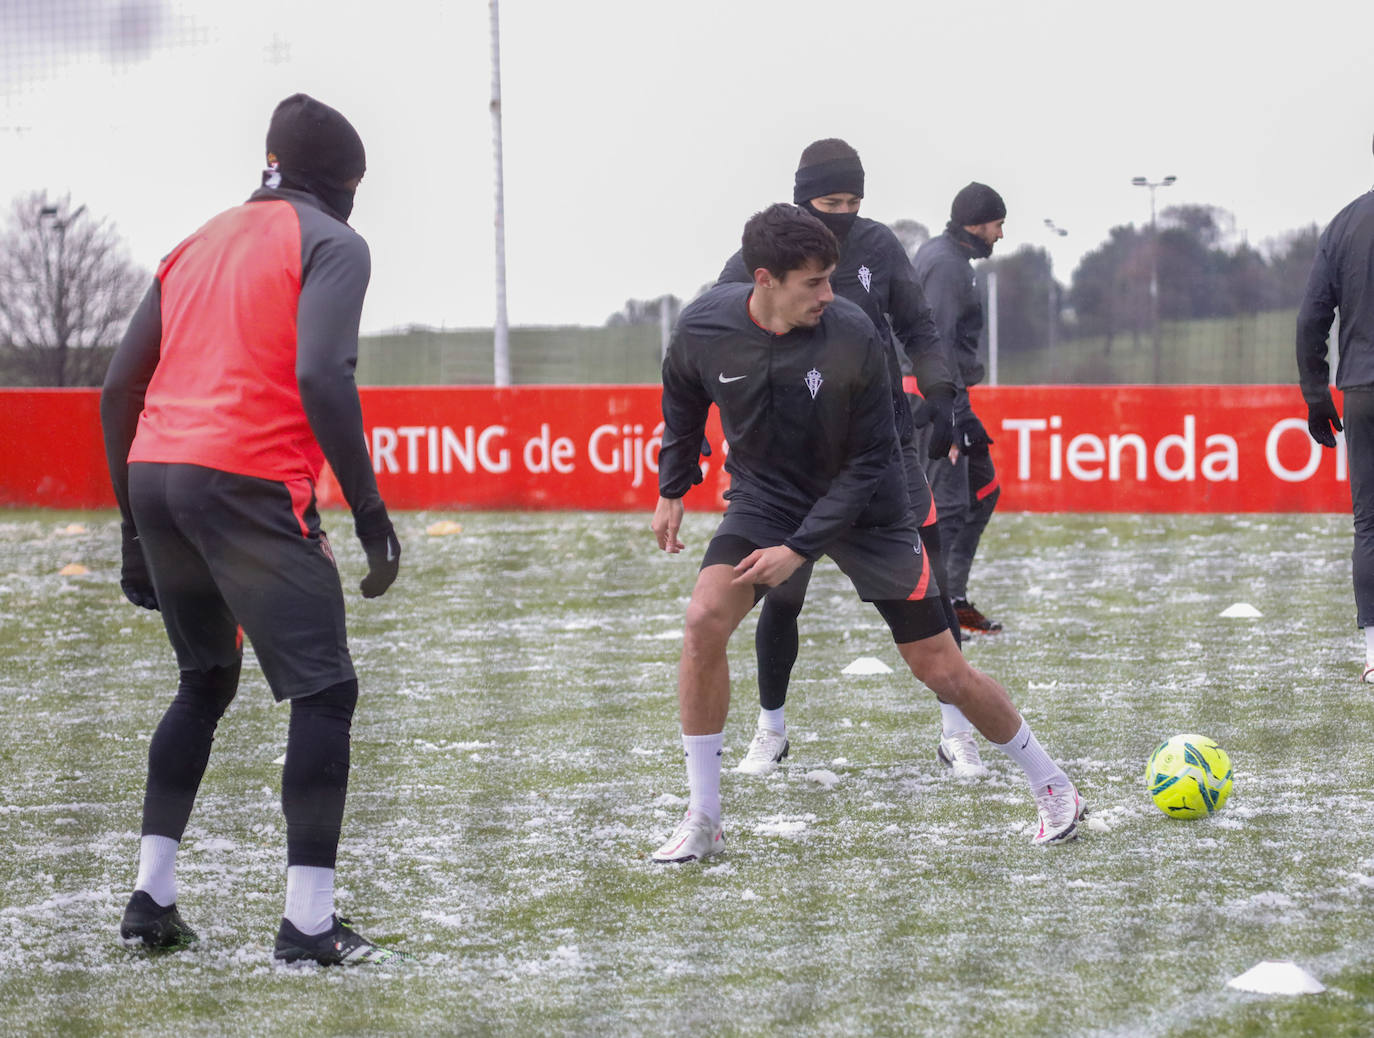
501 345
993 349
1058 232
1154 269
59 317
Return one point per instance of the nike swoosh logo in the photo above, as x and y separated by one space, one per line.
732 378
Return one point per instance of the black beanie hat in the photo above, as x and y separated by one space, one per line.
976 204
309 137
828 166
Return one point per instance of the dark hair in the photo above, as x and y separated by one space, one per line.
784 238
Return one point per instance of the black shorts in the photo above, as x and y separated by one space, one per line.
234 555
886 565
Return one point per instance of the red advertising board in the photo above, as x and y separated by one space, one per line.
1160 449
1057 448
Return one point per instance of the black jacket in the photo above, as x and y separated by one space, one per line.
945 270
805 415
1342 279
874 273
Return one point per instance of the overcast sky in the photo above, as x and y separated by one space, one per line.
640 135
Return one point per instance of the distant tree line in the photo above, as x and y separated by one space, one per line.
68 287
1203 270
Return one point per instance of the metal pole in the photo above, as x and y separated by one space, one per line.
1154 289
501 345
1154 269
61 326
1052 298
992 327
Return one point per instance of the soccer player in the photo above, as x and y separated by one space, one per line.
232 386
800 378
965 483
1342 278
874 273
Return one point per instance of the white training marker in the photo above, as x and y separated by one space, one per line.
1241 611
867 665
1277 978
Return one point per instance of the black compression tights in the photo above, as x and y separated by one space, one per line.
180 748
314 780
776 640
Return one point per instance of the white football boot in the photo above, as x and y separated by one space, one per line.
767 749
695 838
1061 809
959 753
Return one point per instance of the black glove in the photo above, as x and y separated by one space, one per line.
973 437
1321 419
383 551
134 579
936 409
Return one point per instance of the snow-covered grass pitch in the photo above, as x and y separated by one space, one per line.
516 757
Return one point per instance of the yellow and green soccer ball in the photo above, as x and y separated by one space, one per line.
1188 776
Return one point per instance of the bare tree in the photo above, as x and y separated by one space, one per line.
67 286
911 233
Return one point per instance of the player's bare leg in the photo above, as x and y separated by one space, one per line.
938 663
716 609
703 681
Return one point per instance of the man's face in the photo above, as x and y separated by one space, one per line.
800 296
990 233
837 202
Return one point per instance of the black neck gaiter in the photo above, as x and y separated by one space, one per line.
337 201
840 224
975 244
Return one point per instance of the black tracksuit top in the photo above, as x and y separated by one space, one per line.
874 273
1342 278
945 271
806 416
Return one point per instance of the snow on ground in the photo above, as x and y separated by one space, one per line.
516 758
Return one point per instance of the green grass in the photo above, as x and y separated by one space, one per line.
548 356
1248 349
516 758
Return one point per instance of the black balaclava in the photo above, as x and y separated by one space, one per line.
826 167
975 204
317 151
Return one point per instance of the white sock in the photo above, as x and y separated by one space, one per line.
1040 771
703 772
157 877
952 719
772 719
1369 646
309 898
